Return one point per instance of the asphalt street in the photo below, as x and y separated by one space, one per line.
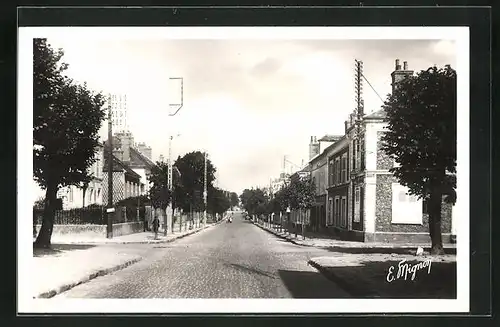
230 260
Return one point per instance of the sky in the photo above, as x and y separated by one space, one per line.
247 102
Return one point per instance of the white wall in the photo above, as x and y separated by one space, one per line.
406 209
144 180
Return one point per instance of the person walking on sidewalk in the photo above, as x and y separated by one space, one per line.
156 225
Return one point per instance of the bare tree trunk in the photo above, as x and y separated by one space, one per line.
434 209
165 221
45 234
83 200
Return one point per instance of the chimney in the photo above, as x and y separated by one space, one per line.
398 66
312 139
405 65
398 75
315 140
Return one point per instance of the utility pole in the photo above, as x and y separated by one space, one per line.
358 87
177 107
205 190
170 189
110 210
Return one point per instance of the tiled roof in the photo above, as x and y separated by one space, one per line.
142 157
380 114
330 138
118 165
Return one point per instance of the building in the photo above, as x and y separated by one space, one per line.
78 197
365 201
126 182
118 104
145 150
136 156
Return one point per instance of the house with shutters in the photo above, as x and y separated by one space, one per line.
77 197
365 202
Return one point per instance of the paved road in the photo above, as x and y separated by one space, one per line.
230 260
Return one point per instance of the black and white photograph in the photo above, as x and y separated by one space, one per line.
243 169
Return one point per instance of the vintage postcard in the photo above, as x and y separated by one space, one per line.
259 169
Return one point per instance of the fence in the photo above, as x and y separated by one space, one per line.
79 216
91 215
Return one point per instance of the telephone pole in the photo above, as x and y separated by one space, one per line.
205 190
110 210
169 163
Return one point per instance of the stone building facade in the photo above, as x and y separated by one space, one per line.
364 200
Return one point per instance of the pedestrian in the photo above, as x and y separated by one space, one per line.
156 225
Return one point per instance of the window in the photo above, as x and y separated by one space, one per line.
343 214
406 209
330 211
337 211
354 154
344 168
357 204
330 172
337 171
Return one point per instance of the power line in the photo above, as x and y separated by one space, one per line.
367 81
359 73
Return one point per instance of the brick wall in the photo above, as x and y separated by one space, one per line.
383 160
383 211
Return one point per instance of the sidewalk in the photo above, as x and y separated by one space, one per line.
71 261
136 238
353 246
364 269
66 266
411 277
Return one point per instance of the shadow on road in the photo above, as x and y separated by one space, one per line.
308 285
56 249
251 270
369 280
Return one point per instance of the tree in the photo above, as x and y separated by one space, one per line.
66 121
301 193
217 200
189 196
254 201
234 199
159 193
421 137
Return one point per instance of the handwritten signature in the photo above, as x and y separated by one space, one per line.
405 269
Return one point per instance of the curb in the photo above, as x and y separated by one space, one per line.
281 236
375 249
145 242
102 272
350 288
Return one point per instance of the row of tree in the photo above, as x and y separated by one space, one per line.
188 178
297 195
